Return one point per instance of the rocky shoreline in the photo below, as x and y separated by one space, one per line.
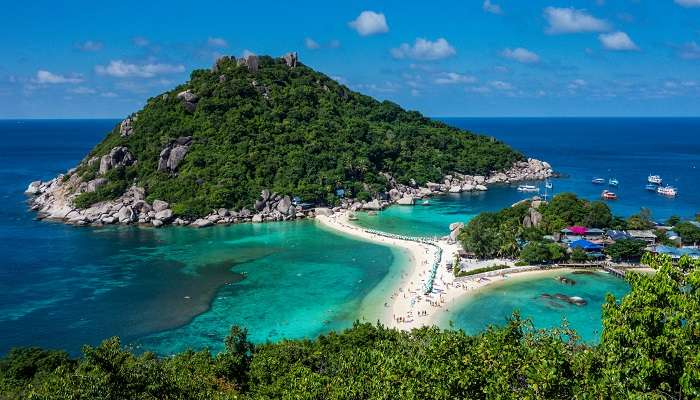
53 200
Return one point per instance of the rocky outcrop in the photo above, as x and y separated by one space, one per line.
291 59
117 157
126 128
189 100
218 64
94 184
455 229
172 154
250 61
407 200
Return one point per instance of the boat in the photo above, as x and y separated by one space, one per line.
613 182
548 184
669 191
608 195
598 181
651 187
528 188
425 203
655 179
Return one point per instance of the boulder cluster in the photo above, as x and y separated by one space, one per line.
173 153
189 100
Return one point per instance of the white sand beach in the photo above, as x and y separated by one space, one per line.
406 305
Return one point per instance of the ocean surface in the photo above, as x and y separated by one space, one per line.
629 149
493 304
169 289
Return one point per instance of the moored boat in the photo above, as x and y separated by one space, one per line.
528 188
668 191
548 184
655 179
608 195
613 182
598 181
425 202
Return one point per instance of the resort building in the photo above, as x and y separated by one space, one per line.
646 236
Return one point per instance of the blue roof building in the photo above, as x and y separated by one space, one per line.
586 245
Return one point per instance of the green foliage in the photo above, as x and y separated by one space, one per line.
480 270
495 234
535 253
566 209
673 220
641 221
650 349
689 233
626 250
579 255
292 130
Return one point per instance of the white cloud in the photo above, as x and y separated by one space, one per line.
571 20
501 85
424 49
46 77
521 55
109 95
121 69
369 23
140 41
492 8
311 44
334 44
89 45
415 92
217 42
617 41
82 90
451 78
688 3
689 51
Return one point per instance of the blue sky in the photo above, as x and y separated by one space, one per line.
443 58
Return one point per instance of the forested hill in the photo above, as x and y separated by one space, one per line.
274 123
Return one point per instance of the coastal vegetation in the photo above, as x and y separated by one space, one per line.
229 132
649 348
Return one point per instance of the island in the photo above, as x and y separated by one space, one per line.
264 138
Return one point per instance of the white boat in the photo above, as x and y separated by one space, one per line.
669 191
528 188
548 184
613 182
425 203
655 179
598 181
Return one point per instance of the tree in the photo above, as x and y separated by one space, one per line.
233 363
689 233
578 255
673 220
626 249
599 215
641 221
535 253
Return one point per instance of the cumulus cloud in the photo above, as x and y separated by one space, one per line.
311 44
521 55
140 41
89 46
109 95
82 90
424 49
122 69
369 23
217 42
689 51
492 8
44 77
688 3
617 41
571 20
501 85
451 78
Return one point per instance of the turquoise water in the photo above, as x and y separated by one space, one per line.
492 305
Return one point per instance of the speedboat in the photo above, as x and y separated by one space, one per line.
608 195
651 187
613 182
655 179
598 181
425 203
548 184
669 191
528 188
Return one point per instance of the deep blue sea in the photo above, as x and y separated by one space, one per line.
168 289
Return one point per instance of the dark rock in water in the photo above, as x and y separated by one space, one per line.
545 296
571 299
566 280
